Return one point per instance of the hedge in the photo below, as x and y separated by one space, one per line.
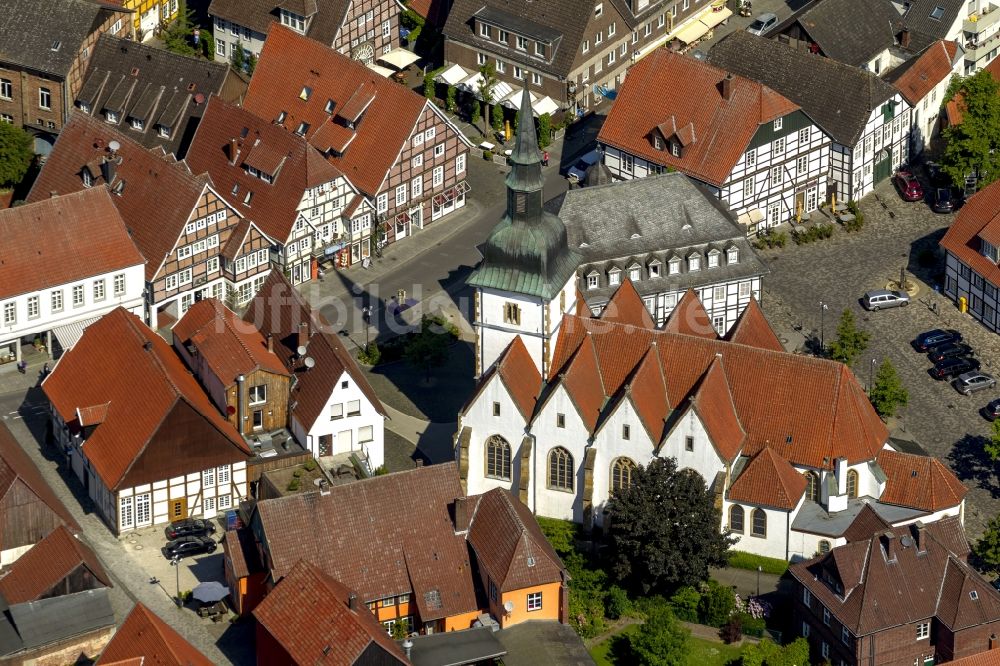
741 560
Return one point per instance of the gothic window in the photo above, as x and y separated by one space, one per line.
498 458
812 487
560 469
852 483
759 523
736 519
621 473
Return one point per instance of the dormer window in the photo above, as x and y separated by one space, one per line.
110 117
675 149
484 30
540 49
732 255
138 124
502 36
520 43
990 251
306 93
675 266
635 273
281 117
88 180
329 106
302 128
694 262
593 280
293 21
614 277
84 107
163 131
654 269
657 142
713 258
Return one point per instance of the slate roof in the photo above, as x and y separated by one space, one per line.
289 61
294 164
324 22
27 35
47 621
65 222
17 468
157 196
45 564
834 26
383 536
679 97
768 480
917 76
144 634
121 362
151 84
278 309
309 616
838 97
980 216
918 16
921 482
925 578
753 329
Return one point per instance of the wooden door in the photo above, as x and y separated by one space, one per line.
178 509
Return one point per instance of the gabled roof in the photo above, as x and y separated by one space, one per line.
47 563
917 76
833 25
242 552
922 16
626 307
753 329
866 524
144 634
397 537
157 199
520 375
17 468
68 224
289 61
838 97
690 318
278 309
980 216
649 395
308 613
584 385
921 482
229 345
509 543
325 17
28 37
713 402
294 165
121 362
768 480
682 98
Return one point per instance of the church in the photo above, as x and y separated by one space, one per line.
568 404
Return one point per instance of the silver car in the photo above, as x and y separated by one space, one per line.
762 24
878 299
970 382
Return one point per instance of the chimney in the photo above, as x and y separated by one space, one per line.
352 601
461 514
270 343
147 345
921 537
303 335
904 38
419 462
888 540
234 151
53 194
240 403
994 642
108 170
726 87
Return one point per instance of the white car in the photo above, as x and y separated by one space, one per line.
762 24
578 172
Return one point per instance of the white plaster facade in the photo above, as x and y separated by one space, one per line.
882 148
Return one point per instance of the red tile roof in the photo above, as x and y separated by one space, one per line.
626 307
647 390
390 535
865 524
47 563
987 658
921 482
979 216
926 71
144 634
120 362
955 108
229 345
295 165
308 614
713 402
158 196
768 480
288 62
510 544
583 383
520 375
16 468
68 224
752 328
690 318
678 96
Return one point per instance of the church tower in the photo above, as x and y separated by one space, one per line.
527 278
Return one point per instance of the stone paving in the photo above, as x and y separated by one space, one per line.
837 272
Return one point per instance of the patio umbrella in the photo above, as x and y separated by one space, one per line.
210 592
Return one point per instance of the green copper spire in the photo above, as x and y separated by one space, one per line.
526 160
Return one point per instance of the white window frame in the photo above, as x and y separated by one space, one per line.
418 139
401 194
44 98
417 161
416 187
778 122
534 601
460 164
437 176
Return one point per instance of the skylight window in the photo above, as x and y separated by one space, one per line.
937 13
56 45
306 92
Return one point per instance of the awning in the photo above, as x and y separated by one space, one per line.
513 100
692 32
716 17
453 75
471 84
69 334
381 71
545 105
399 58
501 90
751 217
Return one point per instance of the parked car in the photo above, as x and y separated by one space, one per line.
908 185
189 527
951 367
189 545
992 410
970 382
930 339
877 299
578 172
762 24
936 176
943 200
950 350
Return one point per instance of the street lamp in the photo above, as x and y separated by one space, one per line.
758 579
175 562
822 326
366 315
871 372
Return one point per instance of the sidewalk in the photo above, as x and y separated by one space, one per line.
432 439
12 381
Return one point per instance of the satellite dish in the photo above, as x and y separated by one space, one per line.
301 350
310 362
114 145
508 607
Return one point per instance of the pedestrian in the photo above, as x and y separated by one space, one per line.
22 367
545 158
45 370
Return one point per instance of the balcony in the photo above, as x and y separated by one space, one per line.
976 51
981 22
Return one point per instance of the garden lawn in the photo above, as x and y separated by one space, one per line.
700 651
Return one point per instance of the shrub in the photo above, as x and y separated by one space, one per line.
560 534
732 631
751 626
497 118
487 154
716 605
854 225
616 603
741 560
450 94
380 471
297 473
369 354
294 485
309 465
685 604
771 239
429 85
812 234
544 130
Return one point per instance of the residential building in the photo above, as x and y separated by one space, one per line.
867 119
195 244
144 636
244 571
754 149
573 54
29 508
310 617
419 552
286 187
363 30
147 16
47 295
973 25
662 235
333 409
972 262
901 596
923 81
396 147
139 432
44 57
153 95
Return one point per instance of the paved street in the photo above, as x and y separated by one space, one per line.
837 272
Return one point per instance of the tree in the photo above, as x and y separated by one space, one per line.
973 146
179 36
251 63
449 99
429 91
664 529
544 130
16 153
238 59
661 640
992 446
497 118
850 342
987 548
207 44
887 393
475 114
487 83
428 348
768 653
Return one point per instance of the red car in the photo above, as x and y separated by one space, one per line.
908 186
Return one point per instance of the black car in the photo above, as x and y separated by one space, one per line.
936 176
189 545
949 350
992 410
930 339
943 201
952 367
189 527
